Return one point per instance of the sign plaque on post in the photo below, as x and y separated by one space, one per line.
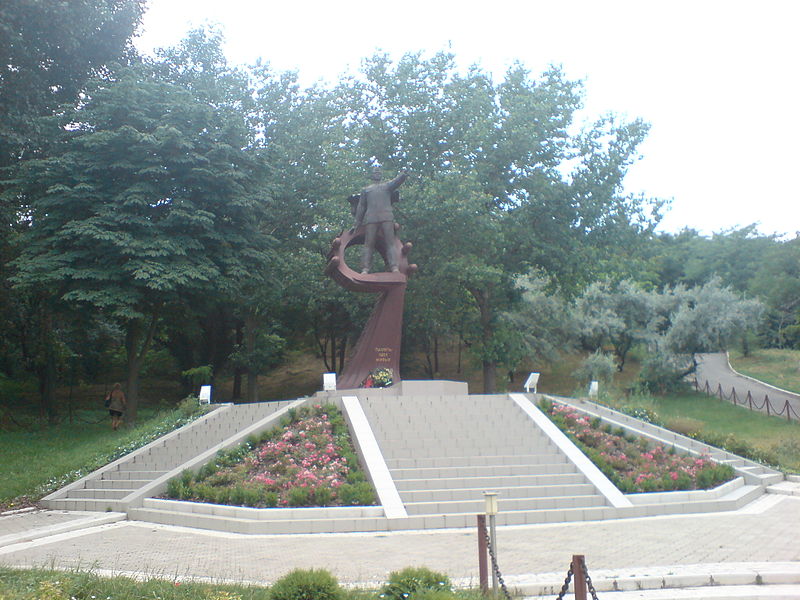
531 382
205 394
329 382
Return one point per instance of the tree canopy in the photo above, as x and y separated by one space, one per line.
185 204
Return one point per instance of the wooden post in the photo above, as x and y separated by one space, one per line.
578 577
788 414
766 403
483 566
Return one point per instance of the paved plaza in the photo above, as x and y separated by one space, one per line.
759 540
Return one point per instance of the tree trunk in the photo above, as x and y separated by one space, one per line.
47 370
250 347
489 376
487 335
238 372
137 344
342 348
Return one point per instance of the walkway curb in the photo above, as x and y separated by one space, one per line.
84 522
674 577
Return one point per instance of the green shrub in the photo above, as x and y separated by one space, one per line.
322 496
356 494
302 584
411 582
299 496
435 595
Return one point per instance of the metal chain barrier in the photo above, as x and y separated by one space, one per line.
495 568
565 587
748 401
589 583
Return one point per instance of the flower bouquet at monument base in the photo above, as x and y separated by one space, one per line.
379 378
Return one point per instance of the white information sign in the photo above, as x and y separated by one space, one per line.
329 382
205 394
531 382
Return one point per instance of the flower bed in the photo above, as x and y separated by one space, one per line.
308 460
635 464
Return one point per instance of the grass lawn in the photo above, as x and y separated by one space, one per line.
780 368
41 459
691 411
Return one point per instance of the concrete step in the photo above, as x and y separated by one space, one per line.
467 461
116 484
488 483
451 451
246 512
477 504
86 504
541 491
482 471
131 474
258 526
99 494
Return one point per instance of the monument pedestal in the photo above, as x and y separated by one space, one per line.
378 347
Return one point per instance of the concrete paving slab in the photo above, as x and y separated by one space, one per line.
766 531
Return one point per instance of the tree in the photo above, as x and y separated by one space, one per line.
488 200
146 201
48 51
705 318
620 314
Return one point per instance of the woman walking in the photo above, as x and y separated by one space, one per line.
116 406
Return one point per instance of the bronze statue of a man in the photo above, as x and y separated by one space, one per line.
374 211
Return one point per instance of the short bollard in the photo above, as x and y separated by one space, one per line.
578 577
483 567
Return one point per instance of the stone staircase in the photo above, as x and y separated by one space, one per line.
431 452
444 451
124 483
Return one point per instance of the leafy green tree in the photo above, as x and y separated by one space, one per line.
705 318
620 314
147 202
777 282
48 51
488 199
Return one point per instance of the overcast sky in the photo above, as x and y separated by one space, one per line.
716 79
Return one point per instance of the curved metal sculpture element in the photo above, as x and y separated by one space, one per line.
379 344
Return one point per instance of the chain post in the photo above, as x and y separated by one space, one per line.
483 568
580 580
766 402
